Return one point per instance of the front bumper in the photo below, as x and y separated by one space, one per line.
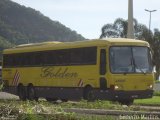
120 95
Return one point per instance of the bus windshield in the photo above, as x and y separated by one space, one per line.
130 60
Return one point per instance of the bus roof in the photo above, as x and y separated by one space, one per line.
63 45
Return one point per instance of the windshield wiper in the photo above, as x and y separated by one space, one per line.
138 68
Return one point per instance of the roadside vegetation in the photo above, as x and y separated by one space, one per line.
152 101
157 81
155 100
32 110
156 93
43 110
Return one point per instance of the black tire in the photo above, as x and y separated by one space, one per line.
31 95
51 99
88 94
126 102
64 100
21 92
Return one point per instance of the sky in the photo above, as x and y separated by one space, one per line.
87 17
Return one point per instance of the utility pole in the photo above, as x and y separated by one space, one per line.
150 12
130 31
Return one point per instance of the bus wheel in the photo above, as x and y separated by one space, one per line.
21 92
88 94
126 102
51 99
64 100
31 93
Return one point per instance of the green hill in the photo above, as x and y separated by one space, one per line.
20 25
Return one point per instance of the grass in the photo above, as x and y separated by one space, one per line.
98 104
157 93
32 110
157 81
155 100
43 110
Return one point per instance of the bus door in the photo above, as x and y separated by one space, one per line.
103 69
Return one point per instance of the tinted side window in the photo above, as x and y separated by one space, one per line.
62 57
75 56
90 55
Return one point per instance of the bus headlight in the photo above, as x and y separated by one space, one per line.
116 87
150 86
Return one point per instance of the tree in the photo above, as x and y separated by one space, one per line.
156 49
20 24
117 29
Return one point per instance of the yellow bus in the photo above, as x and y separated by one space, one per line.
113 69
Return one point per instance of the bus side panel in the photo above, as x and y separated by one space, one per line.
53 80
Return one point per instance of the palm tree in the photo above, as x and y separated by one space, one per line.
119 29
